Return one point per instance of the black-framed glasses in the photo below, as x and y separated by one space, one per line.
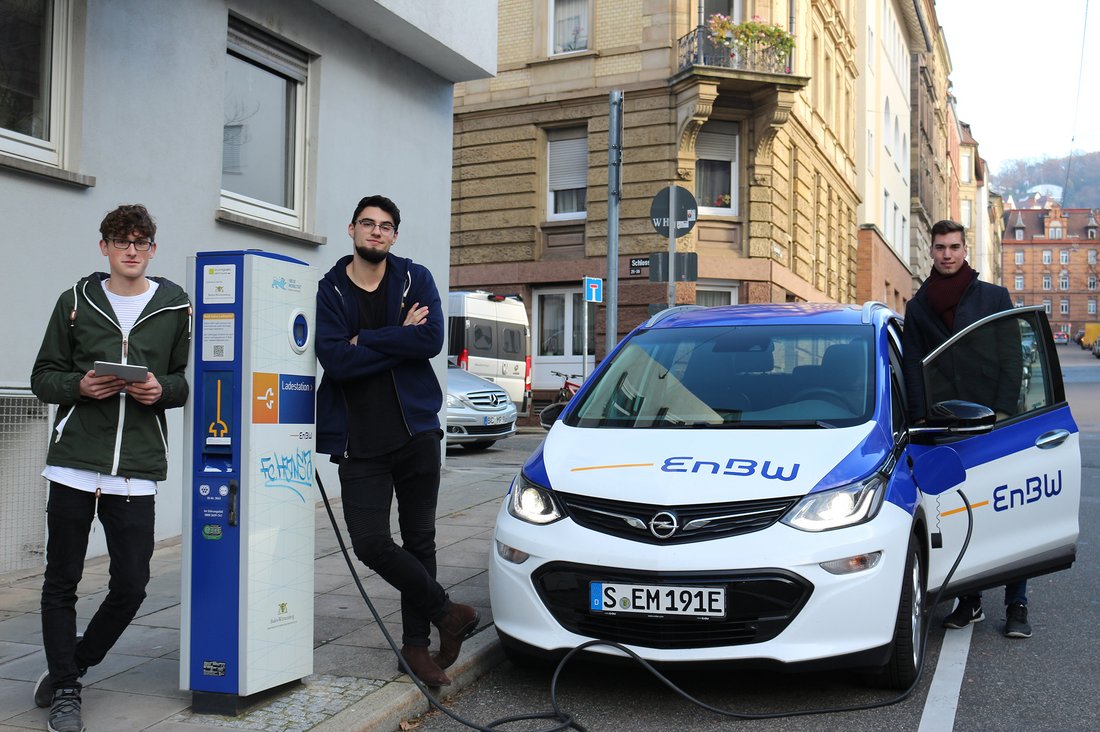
140 245
386 227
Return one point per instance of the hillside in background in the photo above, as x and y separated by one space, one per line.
1082 189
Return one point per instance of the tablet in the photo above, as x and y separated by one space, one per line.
127 371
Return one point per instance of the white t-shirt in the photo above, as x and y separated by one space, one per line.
127 309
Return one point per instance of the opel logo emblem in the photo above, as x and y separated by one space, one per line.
663 524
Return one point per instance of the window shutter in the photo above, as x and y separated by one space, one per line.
262 48
717 141
568 159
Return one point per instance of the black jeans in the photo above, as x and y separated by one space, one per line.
367 486
128 528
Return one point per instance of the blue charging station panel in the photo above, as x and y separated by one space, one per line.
247 588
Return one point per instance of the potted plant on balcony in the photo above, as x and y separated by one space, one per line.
754 42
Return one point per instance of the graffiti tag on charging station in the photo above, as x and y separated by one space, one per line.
292 470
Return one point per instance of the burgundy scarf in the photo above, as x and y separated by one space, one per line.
944 292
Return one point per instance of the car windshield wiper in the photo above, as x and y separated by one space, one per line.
774 424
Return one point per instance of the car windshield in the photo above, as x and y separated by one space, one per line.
716 377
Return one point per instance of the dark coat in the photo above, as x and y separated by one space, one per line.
405 351
986 371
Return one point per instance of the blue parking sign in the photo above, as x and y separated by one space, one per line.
593 289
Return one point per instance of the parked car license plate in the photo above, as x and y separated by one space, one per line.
709 602
493 419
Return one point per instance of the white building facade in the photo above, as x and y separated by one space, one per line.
239 124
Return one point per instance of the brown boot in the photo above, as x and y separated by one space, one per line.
421 663
457 625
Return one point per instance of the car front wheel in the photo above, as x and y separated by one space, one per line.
905 656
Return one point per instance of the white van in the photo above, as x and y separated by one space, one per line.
488 335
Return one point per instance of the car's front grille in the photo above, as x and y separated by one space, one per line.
496 429
759 605
491 400
676 524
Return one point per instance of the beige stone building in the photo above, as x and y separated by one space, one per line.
765 142
892 33
929 120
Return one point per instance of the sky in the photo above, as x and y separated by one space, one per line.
1015 75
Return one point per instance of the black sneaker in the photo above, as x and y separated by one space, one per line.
969 610
43 690
65 711
1016 625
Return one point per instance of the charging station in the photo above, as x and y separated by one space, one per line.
246 622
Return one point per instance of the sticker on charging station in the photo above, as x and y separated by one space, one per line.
219 284
282 399
218 330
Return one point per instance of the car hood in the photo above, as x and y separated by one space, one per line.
704 466
460 381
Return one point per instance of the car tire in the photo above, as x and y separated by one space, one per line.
907 647
478 446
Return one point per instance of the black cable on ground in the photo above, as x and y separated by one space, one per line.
566 720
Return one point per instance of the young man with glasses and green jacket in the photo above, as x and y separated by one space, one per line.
109 445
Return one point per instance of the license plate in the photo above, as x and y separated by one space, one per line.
703 602
493 419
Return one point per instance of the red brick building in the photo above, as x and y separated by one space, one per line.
1051 257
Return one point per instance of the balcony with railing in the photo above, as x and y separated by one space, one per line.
698 49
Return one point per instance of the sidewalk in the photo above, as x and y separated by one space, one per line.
355 684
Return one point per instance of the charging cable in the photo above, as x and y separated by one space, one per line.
567 721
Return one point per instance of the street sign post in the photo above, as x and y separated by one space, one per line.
593 292
673 213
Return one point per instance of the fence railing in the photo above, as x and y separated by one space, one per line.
697 49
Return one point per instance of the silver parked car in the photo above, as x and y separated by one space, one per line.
478 411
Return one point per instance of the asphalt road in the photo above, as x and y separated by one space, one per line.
1047 682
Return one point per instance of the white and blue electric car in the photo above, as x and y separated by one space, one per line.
742 484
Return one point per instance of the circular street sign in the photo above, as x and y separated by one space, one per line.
686 211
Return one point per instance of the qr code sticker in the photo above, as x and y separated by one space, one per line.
219 351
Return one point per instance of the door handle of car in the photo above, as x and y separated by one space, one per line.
1054 438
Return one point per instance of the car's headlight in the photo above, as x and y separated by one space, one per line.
453 401
834 509
533 503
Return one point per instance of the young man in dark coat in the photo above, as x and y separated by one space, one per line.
379 322
951 299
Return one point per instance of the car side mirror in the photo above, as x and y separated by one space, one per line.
550 414
956 417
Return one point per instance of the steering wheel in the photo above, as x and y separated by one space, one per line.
823 393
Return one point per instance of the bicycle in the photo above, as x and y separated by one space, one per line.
550 412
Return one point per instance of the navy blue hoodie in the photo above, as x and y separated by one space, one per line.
404 351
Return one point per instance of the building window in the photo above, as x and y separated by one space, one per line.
1019 234
264 131
1019 284
1092 256
1092 307
567 173
1056 231
34 48
870 150
1063 281
569 25
557 335
1063 307
1046 306
1092 233
1092 282
1020 303
964 168
1046 282
714 296
1063 256
1047 258
716 180
1019 256
965 214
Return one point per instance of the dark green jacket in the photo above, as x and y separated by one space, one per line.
119 435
